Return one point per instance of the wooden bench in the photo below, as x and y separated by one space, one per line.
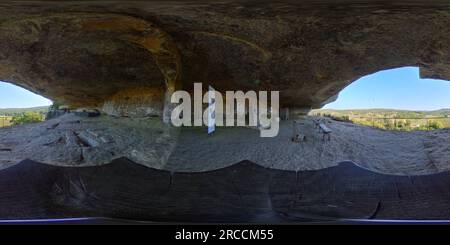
325 131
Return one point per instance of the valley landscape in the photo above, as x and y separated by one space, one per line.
15 116
390 119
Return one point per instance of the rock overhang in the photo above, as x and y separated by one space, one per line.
106 55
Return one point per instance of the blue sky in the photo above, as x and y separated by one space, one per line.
12 96
399 88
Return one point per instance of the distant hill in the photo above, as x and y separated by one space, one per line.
15 111
445 112
383 113
390 119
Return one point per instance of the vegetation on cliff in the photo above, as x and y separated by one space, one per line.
19 116
391 119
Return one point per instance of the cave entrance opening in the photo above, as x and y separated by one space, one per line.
393 99
20 106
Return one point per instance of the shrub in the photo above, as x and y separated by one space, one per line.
27 117
435 125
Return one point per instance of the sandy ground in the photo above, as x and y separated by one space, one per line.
77 141
72 140
390 152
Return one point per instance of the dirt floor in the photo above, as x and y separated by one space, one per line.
389 152
79 141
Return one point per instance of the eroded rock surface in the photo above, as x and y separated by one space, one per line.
243 192
71 140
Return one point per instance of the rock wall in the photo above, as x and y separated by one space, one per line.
138 102
85 53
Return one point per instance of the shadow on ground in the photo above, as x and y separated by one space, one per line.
243 192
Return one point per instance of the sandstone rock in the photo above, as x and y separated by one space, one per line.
91 54
243 192
87 112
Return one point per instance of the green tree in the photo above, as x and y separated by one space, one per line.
27 117
435 125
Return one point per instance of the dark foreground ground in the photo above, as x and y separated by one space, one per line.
244 192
